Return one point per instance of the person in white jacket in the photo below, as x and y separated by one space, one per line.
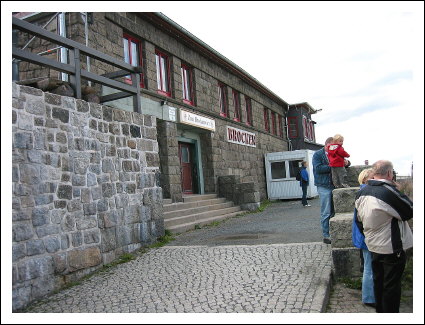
382 214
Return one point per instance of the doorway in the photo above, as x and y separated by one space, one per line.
188 164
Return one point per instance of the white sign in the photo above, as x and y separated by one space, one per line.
197 120
172 113
241 137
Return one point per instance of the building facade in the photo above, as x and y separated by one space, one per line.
214 119
301 127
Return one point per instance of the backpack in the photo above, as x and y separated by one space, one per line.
298 176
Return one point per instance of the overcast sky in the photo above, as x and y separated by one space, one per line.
360 63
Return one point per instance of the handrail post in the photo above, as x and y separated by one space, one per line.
76 78
137 105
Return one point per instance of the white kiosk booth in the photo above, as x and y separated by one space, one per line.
281 169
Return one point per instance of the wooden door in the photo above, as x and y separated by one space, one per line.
186 165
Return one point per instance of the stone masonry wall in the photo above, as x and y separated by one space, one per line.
345 257
222 158
85 189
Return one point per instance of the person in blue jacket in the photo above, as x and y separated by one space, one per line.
323 181
304 183
368 296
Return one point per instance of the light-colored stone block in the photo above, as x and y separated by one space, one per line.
340 230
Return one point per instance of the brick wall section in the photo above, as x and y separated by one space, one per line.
85 189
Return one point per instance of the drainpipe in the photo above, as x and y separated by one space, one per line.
287 130
15 63
86 32
63 54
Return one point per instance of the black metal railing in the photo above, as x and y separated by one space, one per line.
74 67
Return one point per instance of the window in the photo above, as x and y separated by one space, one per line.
285 169
132 55
313 136
266 119
292 127
305 128
163 73
278 170
237 104
294 167
280 125
308 129
274 129
187 85
222 94
248 108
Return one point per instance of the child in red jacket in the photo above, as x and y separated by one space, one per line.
336 155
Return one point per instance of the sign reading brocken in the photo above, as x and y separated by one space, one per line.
241 137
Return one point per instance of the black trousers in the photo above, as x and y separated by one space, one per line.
304 186
387 272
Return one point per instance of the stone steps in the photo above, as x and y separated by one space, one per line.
170 208
197 210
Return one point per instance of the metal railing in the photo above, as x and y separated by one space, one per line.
74 67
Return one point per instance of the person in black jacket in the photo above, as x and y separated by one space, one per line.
382 214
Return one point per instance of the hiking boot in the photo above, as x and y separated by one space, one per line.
327 240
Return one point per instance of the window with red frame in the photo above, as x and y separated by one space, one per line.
222 94
274 128
266 119
308 130
132 55
313 135
248 109
237 104
187 81
292 127
279 117
163 73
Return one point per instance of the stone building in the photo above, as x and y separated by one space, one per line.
301 127
91 173
214 119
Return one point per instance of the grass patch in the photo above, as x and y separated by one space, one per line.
264 204
163 240
352 283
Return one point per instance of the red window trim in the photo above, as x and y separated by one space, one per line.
190 81
223 100
237 104
161 91
248 108
266 119
313 135
295 125
130 38
307 128
274 129
279 117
